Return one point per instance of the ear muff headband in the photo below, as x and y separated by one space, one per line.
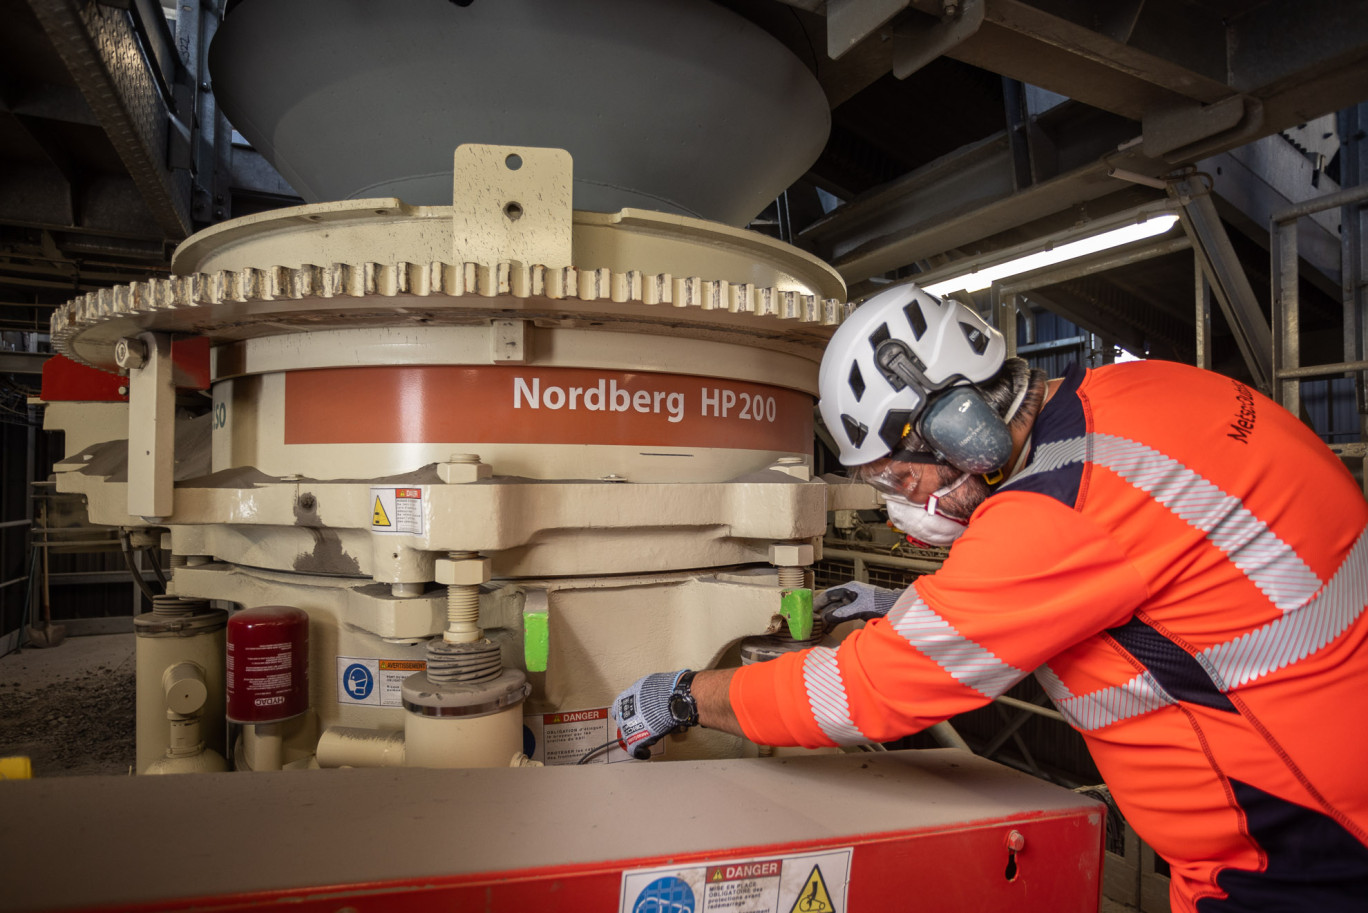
965 430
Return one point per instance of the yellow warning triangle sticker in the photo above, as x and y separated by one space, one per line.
379 517
814 897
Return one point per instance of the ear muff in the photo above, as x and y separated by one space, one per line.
965 431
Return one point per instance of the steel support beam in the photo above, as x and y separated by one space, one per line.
1255 180
1228 280
1072 57
850 21
916 46
1202 313
1353 131
1287 368
22 363
1293 60
952 203
100 48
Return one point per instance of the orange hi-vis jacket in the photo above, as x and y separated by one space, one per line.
1183 565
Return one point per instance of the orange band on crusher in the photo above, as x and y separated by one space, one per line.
500 404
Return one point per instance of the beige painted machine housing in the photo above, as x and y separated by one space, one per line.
633 557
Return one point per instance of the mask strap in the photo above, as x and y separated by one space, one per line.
934 498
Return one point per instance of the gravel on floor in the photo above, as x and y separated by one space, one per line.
70 708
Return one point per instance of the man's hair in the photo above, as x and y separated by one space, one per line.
1014 376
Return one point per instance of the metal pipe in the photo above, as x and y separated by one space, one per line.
12 523
1343 367
265 748
946 736
1347 197
925 565
1017 704
348 746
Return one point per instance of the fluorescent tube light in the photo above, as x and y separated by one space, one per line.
981 279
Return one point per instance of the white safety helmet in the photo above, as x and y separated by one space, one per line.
904 359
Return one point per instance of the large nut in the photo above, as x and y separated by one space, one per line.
796 467
130 353
461 571
453 472
790 554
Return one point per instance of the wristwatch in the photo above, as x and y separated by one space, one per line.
683 707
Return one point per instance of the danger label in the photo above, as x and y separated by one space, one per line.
799 883
397 510
568 736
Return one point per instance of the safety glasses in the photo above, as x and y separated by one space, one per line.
897 474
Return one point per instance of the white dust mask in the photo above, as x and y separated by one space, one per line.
923 522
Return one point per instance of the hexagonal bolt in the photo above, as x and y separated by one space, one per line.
796 467
464 467
1015 842
130 353
791 554
461 571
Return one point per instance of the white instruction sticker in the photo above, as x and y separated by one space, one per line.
567 736
374 682
796 883
397 510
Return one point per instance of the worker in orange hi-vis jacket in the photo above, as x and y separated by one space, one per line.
1179 560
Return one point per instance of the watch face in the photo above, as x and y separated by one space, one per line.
681 709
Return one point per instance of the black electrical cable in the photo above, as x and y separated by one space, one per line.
602 748
156 566
128 562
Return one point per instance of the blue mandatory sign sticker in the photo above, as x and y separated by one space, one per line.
358 681
665 895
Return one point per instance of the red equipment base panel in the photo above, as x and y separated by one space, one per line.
910 830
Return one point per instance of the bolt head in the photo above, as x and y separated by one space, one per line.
790 554
458 473
793 466
130 353
461 571
1016 842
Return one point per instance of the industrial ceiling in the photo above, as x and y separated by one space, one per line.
959 127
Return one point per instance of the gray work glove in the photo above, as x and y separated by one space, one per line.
643 713
853 601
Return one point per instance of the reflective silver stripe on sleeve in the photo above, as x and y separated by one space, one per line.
1136 697
1297 634
827 697
1055 690
966 661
